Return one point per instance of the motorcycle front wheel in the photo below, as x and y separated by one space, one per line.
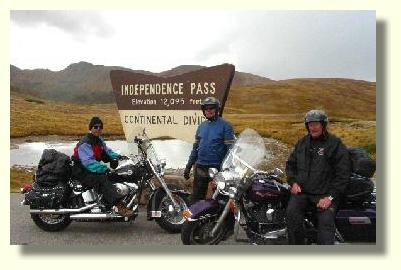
198 232
171 218
51 222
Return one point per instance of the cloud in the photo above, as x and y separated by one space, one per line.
79 24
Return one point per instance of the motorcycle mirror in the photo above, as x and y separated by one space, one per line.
212 172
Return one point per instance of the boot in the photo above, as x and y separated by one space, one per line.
123 210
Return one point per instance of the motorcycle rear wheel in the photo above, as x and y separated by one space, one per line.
198 232
51 222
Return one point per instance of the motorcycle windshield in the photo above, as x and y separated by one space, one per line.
147 146
151 152
246 155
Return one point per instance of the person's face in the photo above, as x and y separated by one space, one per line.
210 112
315 129
97 130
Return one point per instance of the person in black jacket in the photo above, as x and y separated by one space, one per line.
318 171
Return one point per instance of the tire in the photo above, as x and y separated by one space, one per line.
51 222
198 232
171 221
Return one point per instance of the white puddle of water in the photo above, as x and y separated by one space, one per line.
175 152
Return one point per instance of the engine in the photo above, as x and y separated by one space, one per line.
265 217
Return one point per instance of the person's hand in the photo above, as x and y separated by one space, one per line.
324 203
121 157
295 189
186 172
113 163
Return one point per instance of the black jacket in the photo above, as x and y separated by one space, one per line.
320 166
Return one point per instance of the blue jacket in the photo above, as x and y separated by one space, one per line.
212 141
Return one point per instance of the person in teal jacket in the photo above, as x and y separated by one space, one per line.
90 155
213 139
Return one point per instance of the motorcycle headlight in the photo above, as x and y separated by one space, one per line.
232 191
220 181
212 172
221 185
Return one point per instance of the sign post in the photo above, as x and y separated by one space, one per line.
168 106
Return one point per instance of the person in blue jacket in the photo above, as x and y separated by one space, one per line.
90 154
212 140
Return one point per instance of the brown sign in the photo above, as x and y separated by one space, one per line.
168 106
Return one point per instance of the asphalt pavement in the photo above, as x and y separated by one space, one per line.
134 233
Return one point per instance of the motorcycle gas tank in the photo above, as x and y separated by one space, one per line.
263 189
128 172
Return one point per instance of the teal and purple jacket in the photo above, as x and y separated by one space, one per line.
91 150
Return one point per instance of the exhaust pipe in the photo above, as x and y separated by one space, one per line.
95 216
275 234
62 211
98 216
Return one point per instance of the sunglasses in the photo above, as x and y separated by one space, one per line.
98 127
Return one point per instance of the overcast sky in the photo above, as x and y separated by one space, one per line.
273 44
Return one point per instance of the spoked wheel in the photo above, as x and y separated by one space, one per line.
51 222
199 232
171 218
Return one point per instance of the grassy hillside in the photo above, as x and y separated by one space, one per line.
275 109
340 98
31 116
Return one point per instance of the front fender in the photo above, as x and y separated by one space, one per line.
203 207
157 195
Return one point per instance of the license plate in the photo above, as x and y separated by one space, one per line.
156 213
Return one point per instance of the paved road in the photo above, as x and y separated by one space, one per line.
139 232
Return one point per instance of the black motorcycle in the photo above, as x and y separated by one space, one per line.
256 200
53 208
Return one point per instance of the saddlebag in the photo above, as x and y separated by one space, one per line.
40 197
356 218
357 224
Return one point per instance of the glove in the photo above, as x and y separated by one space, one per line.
121 157
186 172
113 164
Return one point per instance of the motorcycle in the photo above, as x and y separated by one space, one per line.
53 209
256 200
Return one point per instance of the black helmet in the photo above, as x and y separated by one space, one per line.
316 116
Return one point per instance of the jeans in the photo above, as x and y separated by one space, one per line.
201 182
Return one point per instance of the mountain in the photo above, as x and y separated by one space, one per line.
84 82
